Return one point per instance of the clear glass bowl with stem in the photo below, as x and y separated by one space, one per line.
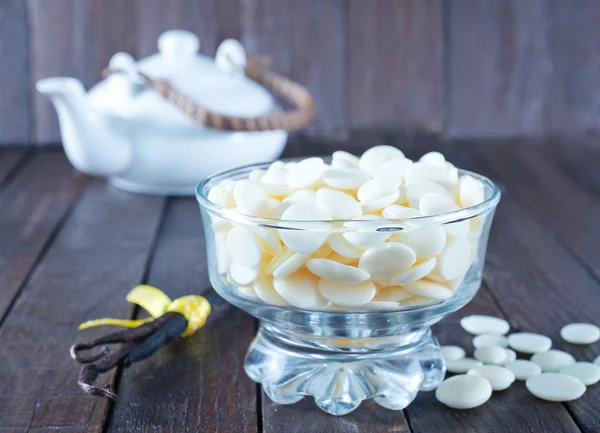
340 356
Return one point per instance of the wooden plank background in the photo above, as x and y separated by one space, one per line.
467 69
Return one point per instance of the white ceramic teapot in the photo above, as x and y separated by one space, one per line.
207 116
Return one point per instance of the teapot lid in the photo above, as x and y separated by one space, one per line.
217 84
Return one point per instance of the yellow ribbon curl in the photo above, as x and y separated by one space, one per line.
195 309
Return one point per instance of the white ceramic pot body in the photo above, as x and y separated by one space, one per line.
143 143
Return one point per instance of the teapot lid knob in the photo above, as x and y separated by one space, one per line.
231 57
178 43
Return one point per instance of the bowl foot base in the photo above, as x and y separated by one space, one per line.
340 381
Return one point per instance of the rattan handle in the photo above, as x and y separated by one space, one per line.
297 95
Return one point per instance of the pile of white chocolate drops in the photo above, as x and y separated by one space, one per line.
552 375
323 269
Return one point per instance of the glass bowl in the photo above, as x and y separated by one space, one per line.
342 355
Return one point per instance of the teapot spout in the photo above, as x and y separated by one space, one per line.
87 139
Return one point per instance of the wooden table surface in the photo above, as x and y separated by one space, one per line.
71 247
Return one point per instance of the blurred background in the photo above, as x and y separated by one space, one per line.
462 68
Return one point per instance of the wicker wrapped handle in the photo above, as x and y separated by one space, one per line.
297 95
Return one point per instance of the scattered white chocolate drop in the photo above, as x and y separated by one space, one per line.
462 365
500 378
464 391
453 353
528 342
553 360
555 387
580 333
483 340
586 372
478 324
523 369
490 355
511 355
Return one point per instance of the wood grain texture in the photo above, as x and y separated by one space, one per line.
306 41
538 181
52 41
100 253
75 38
212 20
581 166
14 87
395 64
33 204
575 38
202 375
102 28
499 68
10 161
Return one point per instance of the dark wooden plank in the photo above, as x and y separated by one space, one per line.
52 40
102 28
306 41
14 73
499 68
100 253
75 38
395 64
580 165
10 161
570 211
33 204
198 383
212 20
575 38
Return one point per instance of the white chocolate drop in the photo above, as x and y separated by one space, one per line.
490 340
338 204
553 360
453 353
500 378
301 290
338 272
586 372
490 355
555 387
347 295
464 391
528 342
387 260
580 333
478 324
375 157
418 271
523 369
305 173
462 365
243 247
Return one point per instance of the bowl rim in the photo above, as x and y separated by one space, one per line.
313 225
